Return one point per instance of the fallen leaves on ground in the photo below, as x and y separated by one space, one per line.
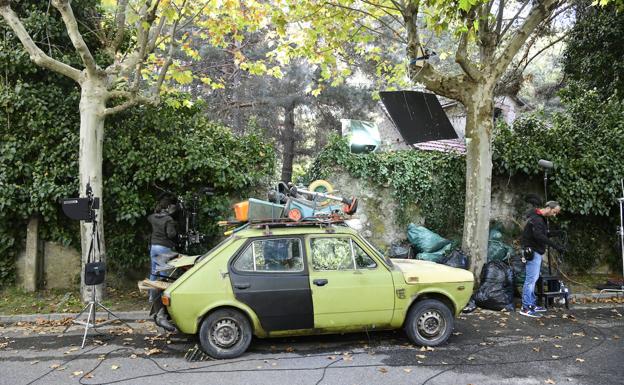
153 351
406 370
383 370
114 367
550 381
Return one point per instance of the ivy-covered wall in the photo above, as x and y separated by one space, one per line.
146 150
424 185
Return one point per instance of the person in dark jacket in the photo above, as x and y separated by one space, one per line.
535 237
164 232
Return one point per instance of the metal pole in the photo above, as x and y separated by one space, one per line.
621 234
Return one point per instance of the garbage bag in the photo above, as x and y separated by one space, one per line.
498 251
470 307
495 235
457 258
519 270
425 240
437 256
496 290
398 251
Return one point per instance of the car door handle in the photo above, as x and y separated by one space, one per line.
320 282
242 286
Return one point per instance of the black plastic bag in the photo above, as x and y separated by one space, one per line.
398 251
470 307
519 269
496 290
459 259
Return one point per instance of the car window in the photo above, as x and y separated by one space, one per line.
332 254
271 255
362 260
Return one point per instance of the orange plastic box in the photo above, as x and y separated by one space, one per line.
241 211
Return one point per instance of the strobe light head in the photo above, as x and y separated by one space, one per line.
80 209
545 164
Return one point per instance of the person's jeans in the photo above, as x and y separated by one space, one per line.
532 275
156 250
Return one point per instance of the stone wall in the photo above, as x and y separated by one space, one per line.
57 267
377 209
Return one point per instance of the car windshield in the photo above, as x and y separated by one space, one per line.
379 253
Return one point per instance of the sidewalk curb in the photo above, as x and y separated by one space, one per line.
124 315
138 315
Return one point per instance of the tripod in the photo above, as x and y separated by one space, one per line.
93 303
620 232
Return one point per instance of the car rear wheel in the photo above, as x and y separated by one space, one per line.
226 333
429 323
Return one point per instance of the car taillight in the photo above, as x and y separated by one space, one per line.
165 300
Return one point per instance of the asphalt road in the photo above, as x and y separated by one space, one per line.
582 346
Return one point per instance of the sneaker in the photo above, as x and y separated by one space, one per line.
530 313
538 309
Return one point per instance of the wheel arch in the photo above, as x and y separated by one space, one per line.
442 297
244 310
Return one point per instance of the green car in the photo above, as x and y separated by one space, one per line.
306 279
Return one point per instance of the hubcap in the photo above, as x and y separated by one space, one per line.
431 324
225 333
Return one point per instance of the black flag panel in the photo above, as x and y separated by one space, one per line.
418 116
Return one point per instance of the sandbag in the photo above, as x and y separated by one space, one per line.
498 251
496 290
425 240
437 256
458 259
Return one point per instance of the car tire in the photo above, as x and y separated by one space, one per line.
225 333
429 323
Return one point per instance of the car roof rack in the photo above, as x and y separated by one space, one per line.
285 222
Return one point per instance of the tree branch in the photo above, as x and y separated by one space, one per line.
461 58
539 12
36 54
74 34
382 22
133 100
512 21
449 86
548 46
499 17
163 71
120 26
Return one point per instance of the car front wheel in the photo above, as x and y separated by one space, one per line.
429 323
226 333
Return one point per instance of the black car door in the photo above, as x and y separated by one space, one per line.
270 275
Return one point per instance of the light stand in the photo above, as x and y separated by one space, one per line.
620 232
96 270
546 165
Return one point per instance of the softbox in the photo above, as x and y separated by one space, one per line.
80 209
